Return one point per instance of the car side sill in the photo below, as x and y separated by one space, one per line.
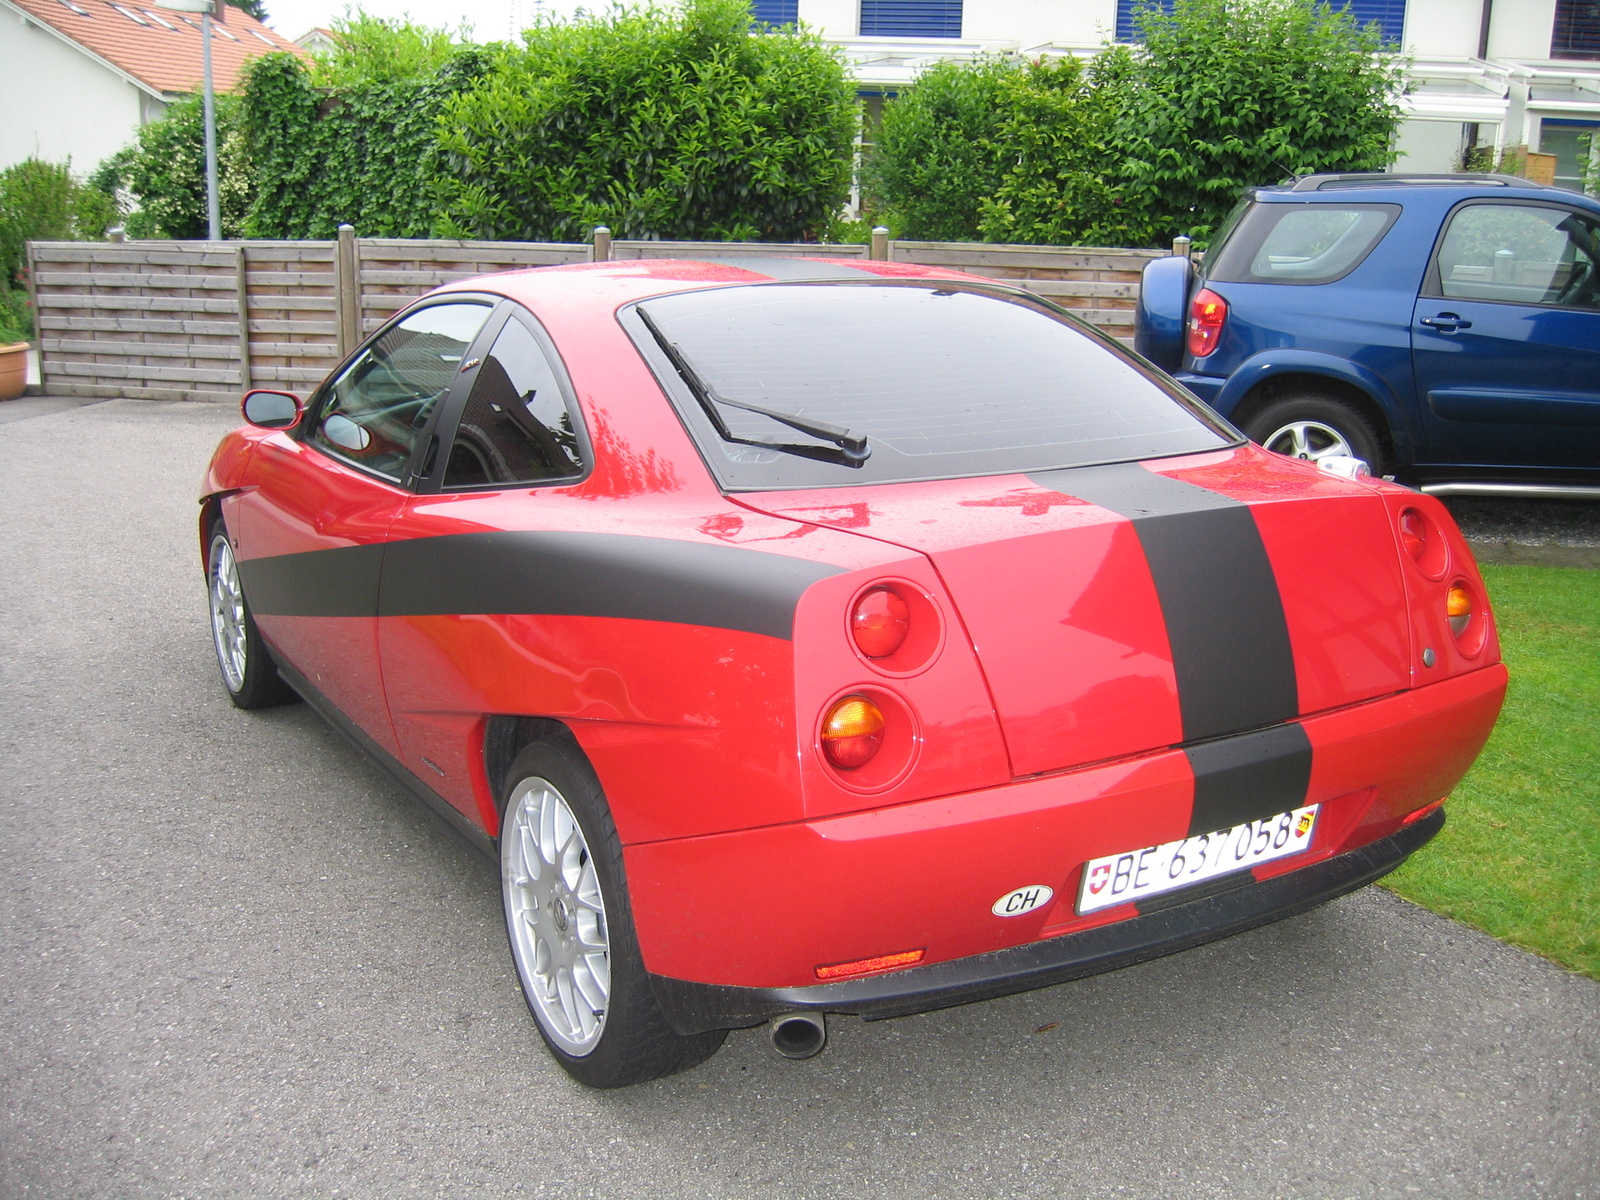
420 791
1528 491
698 1007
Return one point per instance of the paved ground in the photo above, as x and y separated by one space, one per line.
237 962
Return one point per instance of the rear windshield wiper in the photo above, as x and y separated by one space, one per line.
852 449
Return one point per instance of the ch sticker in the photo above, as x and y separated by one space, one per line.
1023 900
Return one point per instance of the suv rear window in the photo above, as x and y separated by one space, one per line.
943 379
1299 243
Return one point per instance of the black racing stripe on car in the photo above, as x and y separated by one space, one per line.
1248 776
341 582
1225 623
543 573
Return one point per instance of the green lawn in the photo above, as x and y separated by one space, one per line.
1520 854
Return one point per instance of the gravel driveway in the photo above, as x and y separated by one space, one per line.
238 962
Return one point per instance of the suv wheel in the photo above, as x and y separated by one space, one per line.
1314 427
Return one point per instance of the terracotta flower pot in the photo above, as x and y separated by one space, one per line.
13 370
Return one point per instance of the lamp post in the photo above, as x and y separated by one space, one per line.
205 9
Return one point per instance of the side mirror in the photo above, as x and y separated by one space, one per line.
342 431
272 410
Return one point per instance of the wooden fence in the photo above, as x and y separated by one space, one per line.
207 320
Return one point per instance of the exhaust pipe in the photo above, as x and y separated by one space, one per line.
800 1035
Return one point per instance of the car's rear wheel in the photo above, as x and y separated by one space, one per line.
1313 427
248 672
571 927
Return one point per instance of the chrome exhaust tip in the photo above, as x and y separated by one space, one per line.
800 1035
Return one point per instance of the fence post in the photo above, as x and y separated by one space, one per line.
880 244
601 250
347 291
116 234
38 317
241 262
1181 246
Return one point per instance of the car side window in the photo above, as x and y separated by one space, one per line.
373 412
1520 254
516 426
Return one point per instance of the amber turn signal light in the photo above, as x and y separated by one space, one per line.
1458 607
852 732
879 622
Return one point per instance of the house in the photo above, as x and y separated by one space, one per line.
78 78
1482 73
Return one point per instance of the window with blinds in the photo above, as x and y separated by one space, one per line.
776 12
1577 29
911 18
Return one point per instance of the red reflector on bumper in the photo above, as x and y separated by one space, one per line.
864 966
1424 811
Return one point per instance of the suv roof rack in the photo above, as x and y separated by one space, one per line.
1317 183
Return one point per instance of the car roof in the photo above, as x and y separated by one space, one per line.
1379 186
606 286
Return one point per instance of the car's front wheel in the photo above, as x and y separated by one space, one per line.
1313 427
571 927
248 672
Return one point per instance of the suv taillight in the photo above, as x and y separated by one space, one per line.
1208 313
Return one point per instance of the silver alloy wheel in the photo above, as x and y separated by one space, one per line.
227 613
556 916
1310 440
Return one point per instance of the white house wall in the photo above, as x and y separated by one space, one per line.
1521 29
58 103
1448 28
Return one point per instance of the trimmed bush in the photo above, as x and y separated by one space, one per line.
658 125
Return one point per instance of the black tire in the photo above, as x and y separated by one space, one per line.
632 1041
1325 424
249 675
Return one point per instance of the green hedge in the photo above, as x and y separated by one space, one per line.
366 154
40 201
694 124
1138 146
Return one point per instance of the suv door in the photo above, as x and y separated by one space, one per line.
1506 338
310 529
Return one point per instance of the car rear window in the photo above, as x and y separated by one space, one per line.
1299 243
944 380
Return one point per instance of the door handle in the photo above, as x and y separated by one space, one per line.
1445 323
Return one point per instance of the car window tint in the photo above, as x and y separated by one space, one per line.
1300 243
516 427
1530 254
371 414
944 380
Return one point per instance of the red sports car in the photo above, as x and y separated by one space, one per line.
807 636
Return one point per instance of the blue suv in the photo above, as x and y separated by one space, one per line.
1444 328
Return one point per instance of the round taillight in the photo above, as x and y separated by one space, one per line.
1458 607
879 622
852 732
1414 533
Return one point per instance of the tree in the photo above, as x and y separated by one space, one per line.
41 201
164 172
688 124
941 149
254 8
1227 94
1146 142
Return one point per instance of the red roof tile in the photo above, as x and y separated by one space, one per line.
160 48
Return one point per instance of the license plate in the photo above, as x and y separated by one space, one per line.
1136 874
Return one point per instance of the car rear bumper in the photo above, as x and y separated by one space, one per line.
748 916
1179 925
